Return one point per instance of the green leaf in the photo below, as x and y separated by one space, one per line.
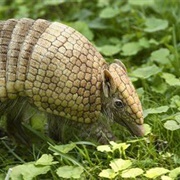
175 102
166 178
171 79
141 2
104 148
83 28
153 42
53 2
158 110
65 148
154 24
147 128
109 50
131 48
156 172
172 125
38 121
174 173
140 91
70 172
109 12
102 3
115 40
28 171
120 164
114 146
159 87
146 72
2 176
120 146
177 118
132 173
23 11
160 56
143 42
97 24
107 173
83 14
44 160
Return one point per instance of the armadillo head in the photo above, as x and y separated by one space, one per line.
120 100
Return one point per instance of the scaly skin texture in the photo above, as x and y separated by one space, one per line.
60 72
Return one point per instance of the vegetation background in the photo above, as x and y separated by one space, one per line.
145 35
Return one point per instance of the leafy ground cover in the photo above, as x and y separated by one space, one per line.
146 36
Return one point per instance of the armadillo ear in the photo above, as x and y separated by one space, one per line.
109 86
117 61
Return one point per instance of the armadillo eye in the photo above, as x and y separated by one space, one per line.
119 104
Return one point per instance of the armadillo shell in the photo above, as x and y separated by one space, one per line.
53 65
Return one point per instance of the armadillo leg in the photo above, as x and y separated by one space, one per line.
14 120
15 111
56 125
63 130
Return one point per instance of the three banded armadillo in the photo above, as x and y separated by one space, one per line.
59 71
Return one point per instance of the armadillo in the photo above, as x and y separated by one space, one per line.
60 72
